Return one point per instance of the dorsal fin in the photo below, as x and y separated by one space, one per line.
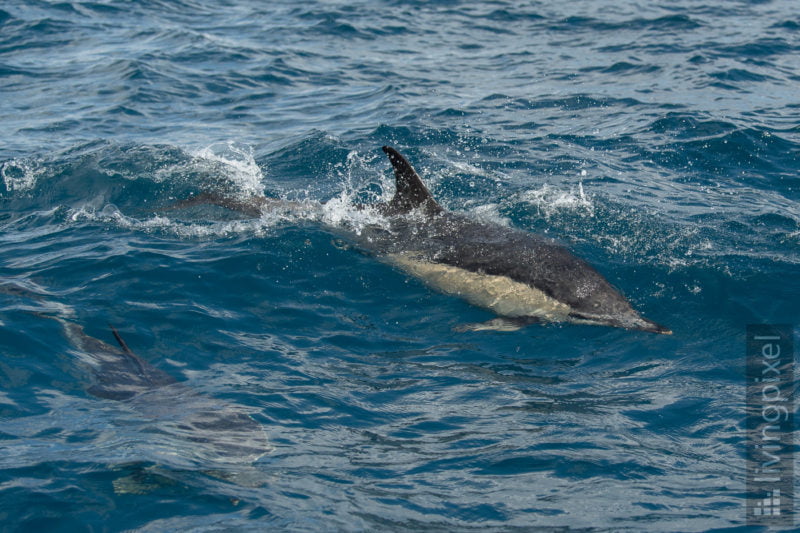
140 365
411 193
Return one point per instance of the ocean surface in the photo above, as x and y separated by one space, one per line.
660 141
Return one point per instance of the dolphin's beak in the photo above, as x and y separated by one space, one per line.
642 324
632 322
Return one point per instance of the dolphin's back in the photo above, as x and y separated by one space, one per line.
119 374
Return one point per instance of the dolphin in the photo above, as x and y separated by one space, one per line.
516 274
207 430
520 276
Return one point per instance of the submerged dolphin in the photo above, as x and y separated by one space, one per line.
520 276
197 427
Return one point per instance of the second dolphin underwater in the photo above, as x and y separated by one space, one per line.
520 276
215 433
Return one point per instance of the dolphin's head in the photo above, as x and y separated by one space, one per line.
596 301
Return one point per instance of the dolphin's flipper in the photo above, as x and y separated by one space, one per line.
498 324
411 193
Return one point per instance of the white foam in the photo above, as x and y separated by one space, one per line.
238 162
357 165
468 168
489 214
229 164
342 212
110 214
550 200
20 174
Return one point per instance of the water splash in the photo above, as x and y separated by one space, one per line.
237 163
111 215
20 174
549 200
350 208
228 167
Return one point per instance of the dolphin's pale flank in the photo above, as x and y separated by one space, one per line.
520 276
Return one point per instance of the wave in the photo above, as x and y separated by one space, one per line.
132 187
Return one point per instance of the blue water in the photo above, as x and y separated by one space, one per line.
660 141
